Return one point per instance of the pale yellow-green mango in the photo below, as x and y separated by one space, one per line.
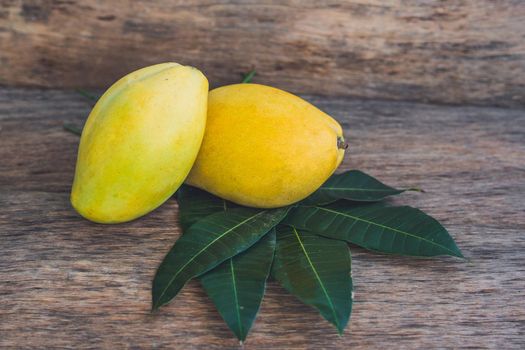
264 147
140 142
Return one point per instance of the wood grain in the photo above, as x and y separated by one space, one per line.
452 52
68 283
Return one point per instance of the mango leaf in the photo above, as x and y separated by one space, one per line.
88 95
237 286
317 271
353 185
196 204
77 130
395 230
248 77
208 243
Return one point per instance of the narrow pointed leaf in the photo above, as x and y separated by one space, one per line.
316 270
74 129
88 95
395 230
208 243
353 185
248 77
237 286
196 204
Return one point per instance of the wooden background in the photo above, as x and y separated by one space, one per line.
65 282
457 51
374 65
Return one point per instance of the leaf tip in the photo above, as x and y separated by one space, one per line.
154 309
456 252
416 189
248 77
240 335
72 129
155 305
341 325
460 255
86 94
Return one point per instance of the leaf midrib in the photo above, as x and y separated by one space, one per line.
235 297
205 248
387 227
325 292
358 189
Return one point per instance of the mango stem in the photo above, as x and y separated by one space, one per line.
341 144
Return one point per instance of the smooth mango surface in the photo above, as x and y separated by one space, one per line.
140 142
264 147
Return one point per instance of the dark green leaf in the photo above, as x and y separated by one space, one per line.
77 130
196 204
248 77
88 95
208 243
395 230
352 185
316 270
236 286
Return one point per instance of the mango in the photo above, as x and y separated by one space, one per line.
264 147
139 142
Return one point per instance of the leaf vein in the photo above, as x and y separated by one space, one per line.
389 228
325 292
235 297
204 249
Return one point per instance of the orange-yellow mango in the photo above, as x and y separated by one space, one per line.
264 147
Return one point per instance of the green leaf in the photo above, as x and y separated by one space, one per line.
317 271
353 185
88 95
236 286
395 230
77 130
196 204
248 77
208 243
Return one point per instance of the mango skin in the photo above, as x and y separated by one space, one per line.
139 142
264 147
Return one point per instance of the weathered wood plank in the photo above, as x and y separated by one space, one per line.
424 50
65 282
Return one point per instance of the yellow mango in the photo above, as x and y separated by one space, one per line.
139 142
264 147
